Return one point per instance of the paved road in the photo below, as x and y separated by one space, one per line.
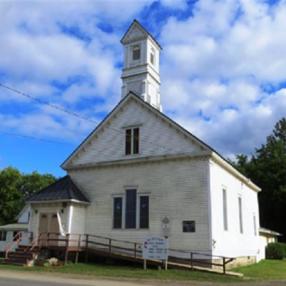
13 278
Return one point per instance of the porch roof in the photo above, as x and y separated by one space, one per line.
14 226
62 190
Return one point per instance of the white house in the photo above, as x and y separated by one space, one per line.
11 232
139 173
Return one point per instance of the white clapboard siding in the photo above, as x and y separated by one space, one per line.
177 189
232 242
157 137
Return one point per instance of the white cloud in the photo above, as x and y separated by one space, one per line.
213 69
217 62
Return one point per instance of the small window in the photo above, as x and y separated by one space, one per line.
136 52
189 226
144 212
130 208
16 235
117 213
152 56
3 235
240 215
132 141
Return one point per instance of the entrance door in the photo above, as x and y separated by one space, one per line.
54 229
43 229
48 229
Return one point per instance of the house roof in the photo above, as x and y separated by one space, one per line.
267 231
135 22
213 153
62 190
14 226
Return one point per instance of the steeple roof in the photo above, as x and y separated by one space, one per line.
137 24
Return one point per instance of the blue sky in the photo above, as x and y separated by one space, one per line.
223 71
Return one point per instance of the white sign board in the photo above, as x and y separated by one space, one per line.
155 248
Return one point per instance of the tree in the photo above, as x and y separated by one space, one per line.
267 168
15 187
11 200
34 182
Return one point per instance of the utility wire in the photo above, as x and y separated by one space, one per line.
72 113
33 137
43 102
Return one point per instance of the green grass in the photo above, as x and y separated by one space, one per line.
265 270
82 270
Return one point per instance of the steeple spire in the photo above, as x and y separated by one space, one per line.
140 72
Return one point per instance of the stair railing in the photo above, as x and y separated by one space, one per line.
34 243
15 242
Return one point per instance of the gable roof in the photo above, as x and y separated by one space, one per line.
137 23
217 157
62 190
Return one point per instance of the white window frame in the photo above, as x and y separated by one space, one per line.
132 140
224 209
240 215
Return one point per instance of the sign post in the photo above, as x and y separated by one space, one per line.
155 248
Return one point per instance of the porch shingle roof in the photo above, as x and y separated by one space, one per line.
62 190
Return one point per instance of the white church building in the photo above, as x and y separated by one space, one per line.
141 174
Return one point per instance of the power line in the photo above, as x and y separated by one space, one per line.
69 112
43 102
33 137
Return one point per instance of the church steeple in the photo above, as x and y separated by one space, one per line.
140 72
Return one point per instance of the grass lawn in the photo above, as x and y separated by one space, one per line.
265 270
83 270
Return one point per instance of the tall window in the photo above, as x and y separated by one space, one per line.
132 141
224 200
136 52
144 212
117 213
3 235
254 225
240 214
152 56
130 209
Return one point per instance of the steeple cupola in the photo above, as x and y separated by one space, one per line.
140 72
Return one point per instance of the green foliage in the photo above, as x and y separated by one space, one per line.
276 250
15 187
267 169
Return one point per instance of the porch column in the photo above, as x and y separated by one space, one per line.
69 218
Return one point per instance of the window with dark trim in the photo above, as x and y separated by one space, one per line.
3 235
189 226
144 212
130 208
132 141
117 213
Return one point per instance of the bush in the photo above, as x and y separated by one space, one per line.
276 250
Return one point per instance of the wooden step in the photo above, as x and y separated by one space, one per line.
21 255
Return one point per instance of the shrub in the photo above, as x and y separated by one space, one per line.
276 250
